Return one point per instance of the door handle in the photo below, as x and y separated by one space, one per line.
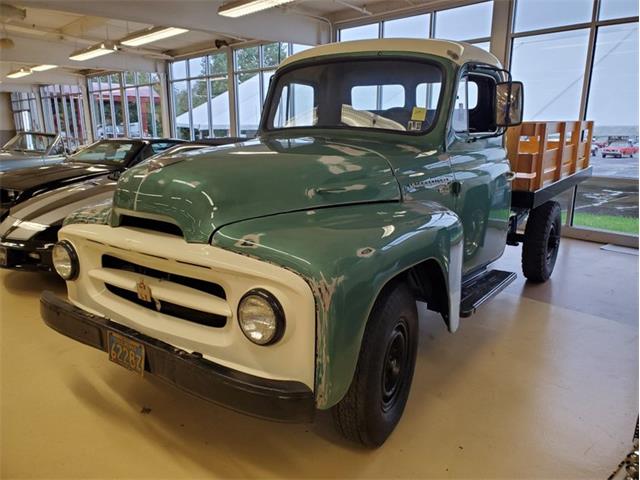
510 176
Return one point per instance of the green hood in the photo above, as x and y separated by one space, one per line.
204 190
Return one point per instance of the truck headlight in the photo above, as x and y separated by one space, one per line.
65 260
261 317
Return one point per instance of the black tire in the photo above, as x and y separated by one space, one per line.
541 242
378 393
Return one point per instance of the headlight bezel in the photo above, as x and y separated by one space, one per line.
73 258
277 310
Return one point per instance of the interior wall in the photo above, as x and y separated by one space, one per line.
7 126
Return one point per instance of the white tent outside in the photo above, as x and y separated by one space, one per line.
249 109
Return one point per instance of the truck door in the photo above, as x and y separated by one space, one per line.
480 167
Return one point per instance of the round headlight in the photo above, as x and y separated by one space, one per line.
261 317
65 260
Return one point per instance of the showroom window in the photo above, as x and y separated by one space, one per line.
202 105
107 113
253 68
25 112
141 110
63 110
470 23
579 60
200 97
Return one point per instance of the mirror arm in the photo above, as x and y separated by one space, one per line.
500 131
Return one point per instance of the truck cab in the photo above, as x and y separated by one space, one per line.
280 275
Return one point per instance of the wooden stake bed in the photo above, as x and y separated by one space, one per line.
548 158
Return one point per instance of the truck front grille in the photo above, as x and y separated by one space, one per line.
164 306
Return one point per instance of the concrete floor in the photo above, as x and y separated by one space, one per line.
541 383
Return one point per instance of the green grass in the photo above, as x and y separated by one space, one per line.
605 222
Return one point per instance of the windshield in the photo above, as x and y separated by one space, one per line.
30 142
385 94
106 151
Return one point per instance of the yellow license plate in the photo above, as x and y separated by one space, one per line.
125 352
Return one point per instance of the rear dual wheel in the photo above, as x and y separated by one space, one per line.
374 403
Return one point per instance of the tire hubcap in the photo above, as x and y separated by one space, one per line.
552 244
395 361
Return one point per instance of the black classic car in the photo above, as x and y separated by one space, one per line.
100 158
30 229
31 149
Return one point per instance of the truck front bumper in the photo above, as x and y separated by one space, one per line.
278 400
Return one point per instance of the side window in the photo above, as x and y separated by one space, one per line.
460 121
472 94
58 149
297 107
473 112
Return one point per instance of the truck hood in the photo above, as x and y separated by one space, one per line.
50 176
204 190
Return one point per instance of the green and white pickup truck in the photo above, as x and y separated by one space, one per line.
280 276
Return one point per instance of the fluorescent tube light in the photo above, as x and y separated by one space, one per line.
152 34
93 51
238 8
23 72
42 68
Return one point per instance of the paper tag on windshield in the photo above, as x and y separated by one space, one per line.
419 114
414 125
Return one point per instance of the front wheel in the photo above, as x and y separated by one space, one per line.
378 393
541 242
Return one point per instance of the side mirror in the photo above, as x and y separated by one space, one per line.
509 104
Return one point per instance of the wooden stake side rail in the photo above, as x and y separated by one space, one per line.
542 153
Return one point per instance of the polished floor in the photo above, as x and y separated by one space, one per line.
541 383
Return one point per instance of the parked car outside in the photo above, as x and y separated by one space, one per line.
100 158
619 149
30 229
31 149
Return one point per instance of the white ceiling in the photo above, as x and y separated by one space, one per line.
51 30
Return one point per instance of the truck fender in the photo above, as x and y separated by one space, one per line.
363 248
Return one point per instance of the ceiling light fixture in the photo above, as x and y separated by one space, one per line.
151 34
42 68
238 8
93 51
23 72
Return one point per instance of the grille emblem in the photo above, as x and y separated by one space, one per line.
144 291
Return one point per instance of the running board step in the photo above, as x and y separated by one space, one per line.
482 288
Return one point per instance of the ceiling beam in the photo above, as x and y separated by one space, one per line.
270 25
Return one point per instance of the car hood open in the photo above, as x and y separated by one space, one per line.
204 190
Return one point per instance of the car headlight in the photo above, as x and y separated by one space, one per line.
261 317
65 260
